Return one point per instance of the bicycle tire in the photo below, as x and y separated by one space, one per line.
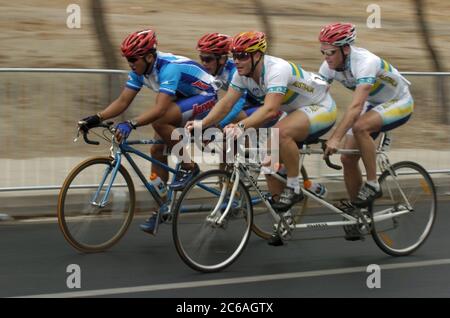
72 212
263 222
421 194
202 244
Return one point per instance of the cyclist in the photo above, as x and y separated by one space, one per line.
214 49
381 102
277 85
184 91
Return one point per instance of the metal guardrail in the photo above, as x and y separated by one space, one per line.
107 71
58 187
426 73
60 70
122 73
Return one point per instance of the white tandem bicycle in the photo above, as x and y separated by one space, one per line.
216 231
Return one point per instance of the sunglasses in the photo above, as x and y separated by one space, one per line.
241 56
132 59
207 58
329 52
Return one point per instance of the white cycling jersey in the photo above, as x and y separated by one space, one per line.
364 67
301 88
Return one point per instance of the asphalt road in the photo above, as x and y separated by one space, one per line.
34 260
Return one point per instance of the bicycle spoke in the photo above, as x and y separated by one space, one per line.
94 213
210 240
411 190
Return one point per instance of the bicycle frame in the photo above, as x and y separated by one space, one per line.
388 213
205 245
125 149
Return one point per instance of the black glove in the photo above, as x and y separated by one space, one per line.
91 121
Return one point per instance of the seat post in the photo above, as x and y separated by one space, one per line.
385 141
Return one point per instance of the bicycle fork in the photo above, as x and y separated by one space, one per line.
109 171
385 165
216 217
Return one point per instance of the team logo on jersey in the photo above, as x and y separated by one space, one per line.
201 85
389 103
304 87
389 80
198 109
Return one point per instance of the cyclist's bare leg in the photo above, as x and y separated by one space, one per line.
166 124
274 186
368 123
164 127
157 152
294 127
352 172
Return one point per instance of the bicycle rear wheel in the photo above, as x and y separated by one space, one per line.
409 206
202 241
95 205
263 222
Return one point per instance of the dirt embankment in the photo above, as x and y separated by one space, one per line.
34 34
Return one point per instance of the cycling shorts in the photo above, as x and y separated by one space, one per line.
321 116
394 112
196 107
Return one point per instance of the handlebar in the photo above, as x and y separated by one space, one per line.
109 125
323 145
85 131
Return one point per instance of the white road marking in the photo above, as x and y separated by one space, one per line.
237 280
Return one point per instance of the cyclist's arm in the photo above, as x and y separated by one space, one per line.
163 102
272 104
235 111
222 108
354 110
119 105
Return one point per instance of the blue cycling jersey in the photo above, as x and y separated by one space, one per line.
176 76
226 74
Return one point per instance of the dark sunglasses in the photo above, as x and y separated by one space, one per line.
329 52
241 56
207 58
132 59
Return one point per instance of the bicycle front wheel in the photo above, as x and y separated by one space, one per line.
404 215
96 205
207 237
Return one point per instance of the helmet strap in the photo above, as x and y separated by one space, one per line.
218 66
345 56
149 66
254 65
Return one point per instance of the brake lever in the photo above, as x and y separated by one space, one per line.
84 133
327 157
78 135
80 123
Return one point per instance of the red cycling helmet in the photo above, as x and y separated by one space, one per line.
249 42
214 43
139 43
338 34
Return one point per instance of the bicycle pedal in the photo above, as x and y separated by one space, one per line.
275 240
166 218
355 238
